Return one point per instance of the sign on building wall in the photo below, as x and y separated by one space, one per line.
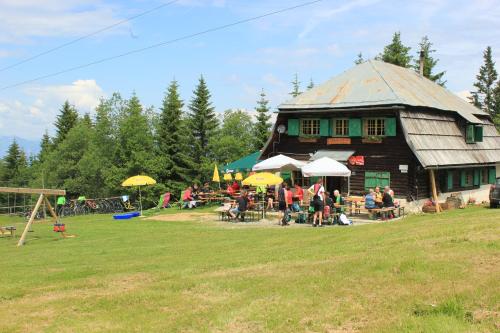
403 168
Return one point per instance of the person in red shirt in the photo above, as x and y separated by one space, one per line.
235 186
289 196
299 193
188 198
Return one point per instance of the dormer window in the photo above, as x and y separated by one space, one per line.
473 133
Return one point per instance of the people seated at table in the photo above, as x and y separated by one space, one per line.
240 207
387 198
188 199
206 188
299 193
270 196
235 186
229 189
195 191
318 191
370 200
378 197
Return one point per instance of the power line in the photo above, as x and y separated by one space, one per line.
171 41
38 55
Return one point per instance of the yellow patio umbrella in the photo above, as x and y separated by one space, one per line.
263 178
238 176
227 176
139 181
215 177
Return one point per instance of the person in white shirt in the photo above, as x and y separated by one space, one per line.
318 192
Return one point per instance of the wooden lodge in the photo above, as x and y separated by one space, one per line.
390 126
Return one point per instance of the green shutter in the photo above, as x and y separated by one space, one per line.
492 175
354 127
463 178
332 127
390 126
450 179
374 179
477 176
324 128
469 138
293 127
478 133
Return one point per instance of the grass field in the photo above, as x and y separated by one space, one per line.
432 273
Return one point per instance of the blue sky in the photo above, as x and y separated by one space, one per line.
315 42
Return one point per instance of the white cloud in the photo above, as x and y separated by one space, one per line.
21 20
29 120
464 94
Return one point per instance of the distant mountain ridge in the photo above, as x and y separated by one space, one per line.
29 146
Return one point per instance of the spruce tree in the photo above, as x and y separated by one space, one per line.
65 120
483 97
45 147
176 165
15 165
262 125
396 53
359 60
202 119
429 62
295 86
310 85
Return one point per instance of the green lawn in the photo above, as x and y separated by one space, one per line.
432 273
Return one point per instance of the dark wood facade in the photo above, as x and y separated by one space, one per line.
386 156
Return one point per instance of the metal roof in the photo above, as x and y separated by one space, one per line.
376 83
338 155
438 141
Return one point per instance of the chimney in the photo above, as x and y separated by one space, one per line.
421 68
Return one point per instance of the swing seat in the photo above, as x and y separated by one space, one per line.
59 227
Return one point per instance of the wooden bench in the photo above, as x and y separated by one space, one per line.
8 230
384 212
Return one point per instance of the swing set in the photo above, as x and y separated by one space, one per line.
44 193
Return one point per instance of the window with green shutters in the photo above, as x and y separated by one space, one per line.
355 129
466 178
293 127
379 127
340 127
478 133
469 134
450 179
377 178
310 127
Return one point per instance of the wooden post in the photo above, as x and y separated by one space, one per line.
51 210
434 190
32 218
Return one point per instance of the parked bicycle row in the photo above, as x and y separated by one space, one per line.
82 206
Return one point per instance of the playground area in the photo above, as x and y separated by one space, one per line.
183 270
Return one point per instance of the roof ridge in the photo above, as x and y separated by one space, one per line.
383 79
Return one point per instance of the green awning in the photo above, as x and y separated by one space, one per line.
243 164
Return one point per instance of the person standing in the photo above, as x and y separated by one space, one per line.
318 192
282 203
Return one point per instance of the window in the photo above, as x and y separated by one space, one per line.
467 178
309 127
484 176
340 127
469 134
375 127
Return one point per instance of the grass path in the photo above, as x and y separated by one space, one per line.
433 273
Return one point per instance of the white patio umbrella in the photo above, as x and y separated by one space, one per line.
279 163
325 167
